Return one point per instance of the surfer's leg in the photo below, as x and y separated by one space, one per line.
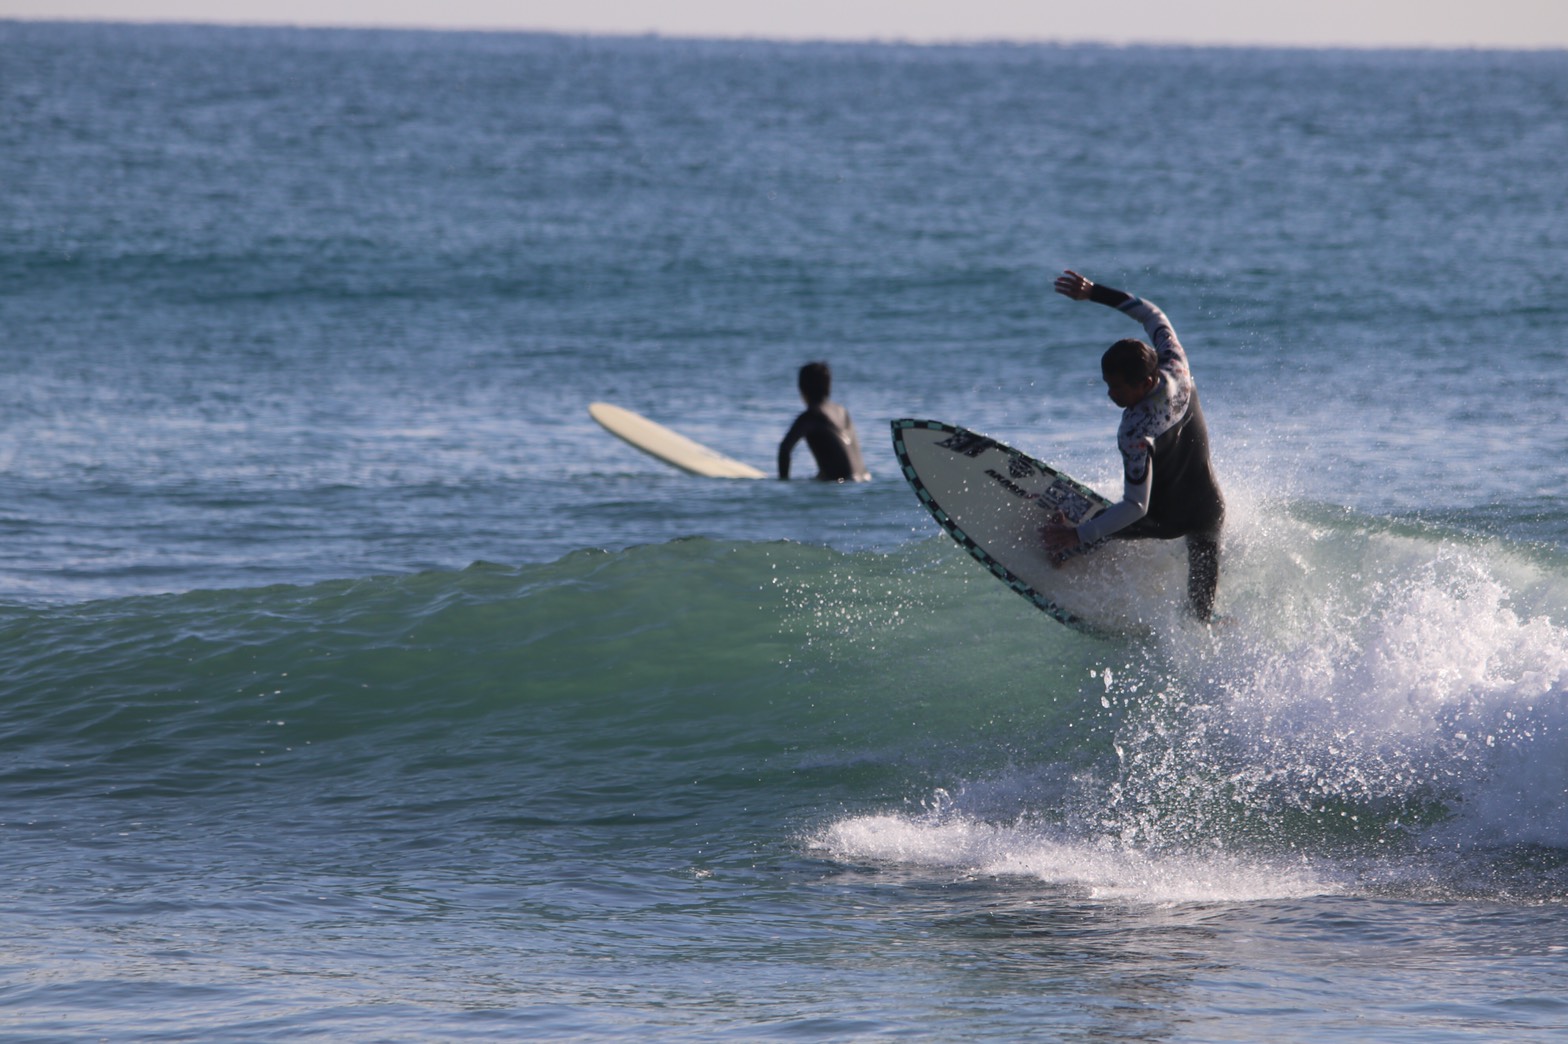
1203 573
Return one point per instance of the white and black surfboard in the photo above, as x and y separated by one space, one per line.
993 499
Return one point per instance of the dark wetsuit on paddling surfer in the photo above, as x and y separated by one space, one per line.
1169 488
827 429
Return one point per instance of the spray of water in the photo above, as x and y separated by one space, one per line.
1383 707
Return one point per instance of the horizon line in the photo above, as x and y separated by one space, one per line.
760 38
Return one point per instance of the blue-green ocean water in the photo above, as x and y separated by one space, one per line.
356 685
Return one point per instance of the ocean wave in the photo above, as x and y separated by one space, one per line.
1377 690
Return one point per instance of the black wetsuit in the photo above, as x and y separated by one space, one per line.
1170 488
830 434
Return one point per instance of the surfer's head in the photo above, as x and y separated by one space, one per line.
1129 367
816 382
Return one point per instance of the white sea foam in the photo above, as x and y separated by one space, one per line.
1401 694
1395 667
964 846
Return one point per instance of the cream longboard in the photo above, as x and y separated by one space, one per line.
671 447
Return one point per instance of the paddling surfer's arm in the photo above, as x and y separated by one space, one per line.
796 432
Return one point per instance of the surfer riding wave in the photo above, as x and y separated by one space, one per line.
1169 488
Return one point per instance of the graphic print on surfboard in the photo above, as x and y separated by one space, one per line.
993 499
671 447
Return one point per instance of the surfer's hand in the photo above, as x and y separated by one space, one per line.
1059 538
1071 284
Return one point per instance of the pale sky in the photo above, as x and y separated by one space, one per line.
1529 24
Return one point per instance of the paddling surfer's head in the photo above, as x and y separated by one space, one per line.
1129 367
816 382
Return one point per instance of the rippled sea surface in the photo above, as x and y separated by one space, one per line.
357 685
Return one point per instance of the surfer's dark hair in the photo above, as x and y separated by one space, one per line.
1129 361
816 381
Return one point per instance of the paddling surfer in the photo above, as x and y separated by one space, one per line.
827 429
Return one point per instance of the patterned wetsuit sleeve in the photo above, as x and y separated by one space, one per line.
1133 506
1162 335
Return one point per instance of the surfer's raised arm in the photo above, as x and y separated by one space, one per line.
1168 350
1079 288
1071 284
